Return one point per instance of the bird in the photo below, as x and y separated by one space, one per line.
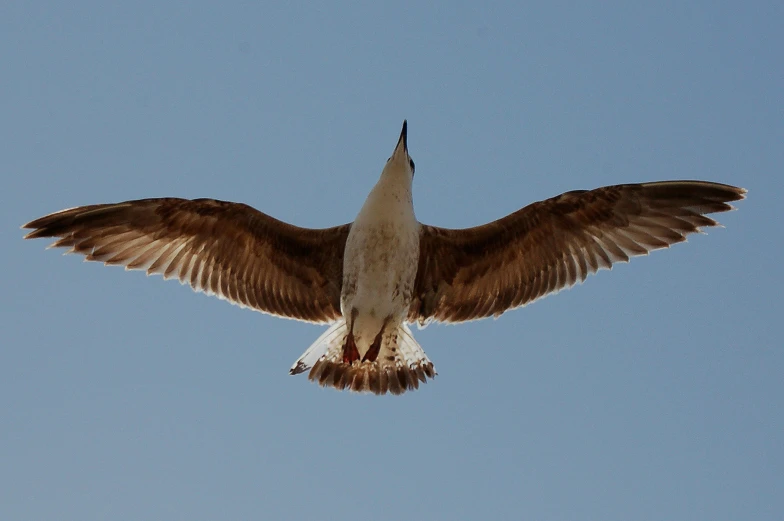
369 279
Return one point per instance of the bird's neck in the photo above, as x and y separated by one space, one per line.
390 199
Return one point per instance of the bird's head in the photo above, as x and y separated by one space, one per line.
400 162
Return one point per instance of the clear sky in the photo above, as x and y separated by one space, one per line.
652 392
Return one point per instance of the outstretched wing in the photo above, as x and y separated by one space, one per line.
227 249
549 245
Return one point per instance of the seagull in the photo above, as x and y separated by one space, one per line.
371 278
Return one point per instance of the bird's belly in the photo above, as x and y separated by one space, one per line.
379 272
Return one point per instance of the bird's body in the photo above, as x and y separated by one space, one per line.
380 261
370 278
379 271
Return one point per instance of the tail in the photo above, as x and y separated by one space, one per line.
400 366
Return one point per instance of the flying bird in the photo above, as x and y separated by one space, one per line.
370 278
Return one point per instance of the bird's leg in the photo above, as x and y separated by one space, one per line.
375 347
350 352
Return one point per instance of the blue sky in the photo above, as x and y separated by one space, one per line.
651 392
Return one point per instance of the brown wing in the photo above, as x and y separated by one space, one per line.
549 245
222 248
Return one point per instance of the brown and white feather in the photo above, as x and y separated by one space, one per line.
549 245
227 249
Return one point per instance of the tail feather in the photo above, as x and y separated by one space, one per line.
335 335
400 366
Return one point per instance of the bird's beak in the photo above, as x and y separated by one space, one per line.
402 143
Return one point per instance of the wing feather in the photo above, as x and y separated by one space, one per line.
227 249
550 245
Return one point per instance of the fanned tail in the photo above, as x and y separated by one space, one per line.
400 366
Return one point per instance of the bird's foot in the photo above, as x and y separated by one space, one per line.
350 352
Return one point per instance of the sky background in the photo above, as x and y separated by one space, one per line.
652 392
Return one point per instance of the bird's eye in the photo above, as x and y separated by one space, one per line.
411 163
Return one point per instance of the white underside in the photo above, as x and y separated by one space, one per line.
380 263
